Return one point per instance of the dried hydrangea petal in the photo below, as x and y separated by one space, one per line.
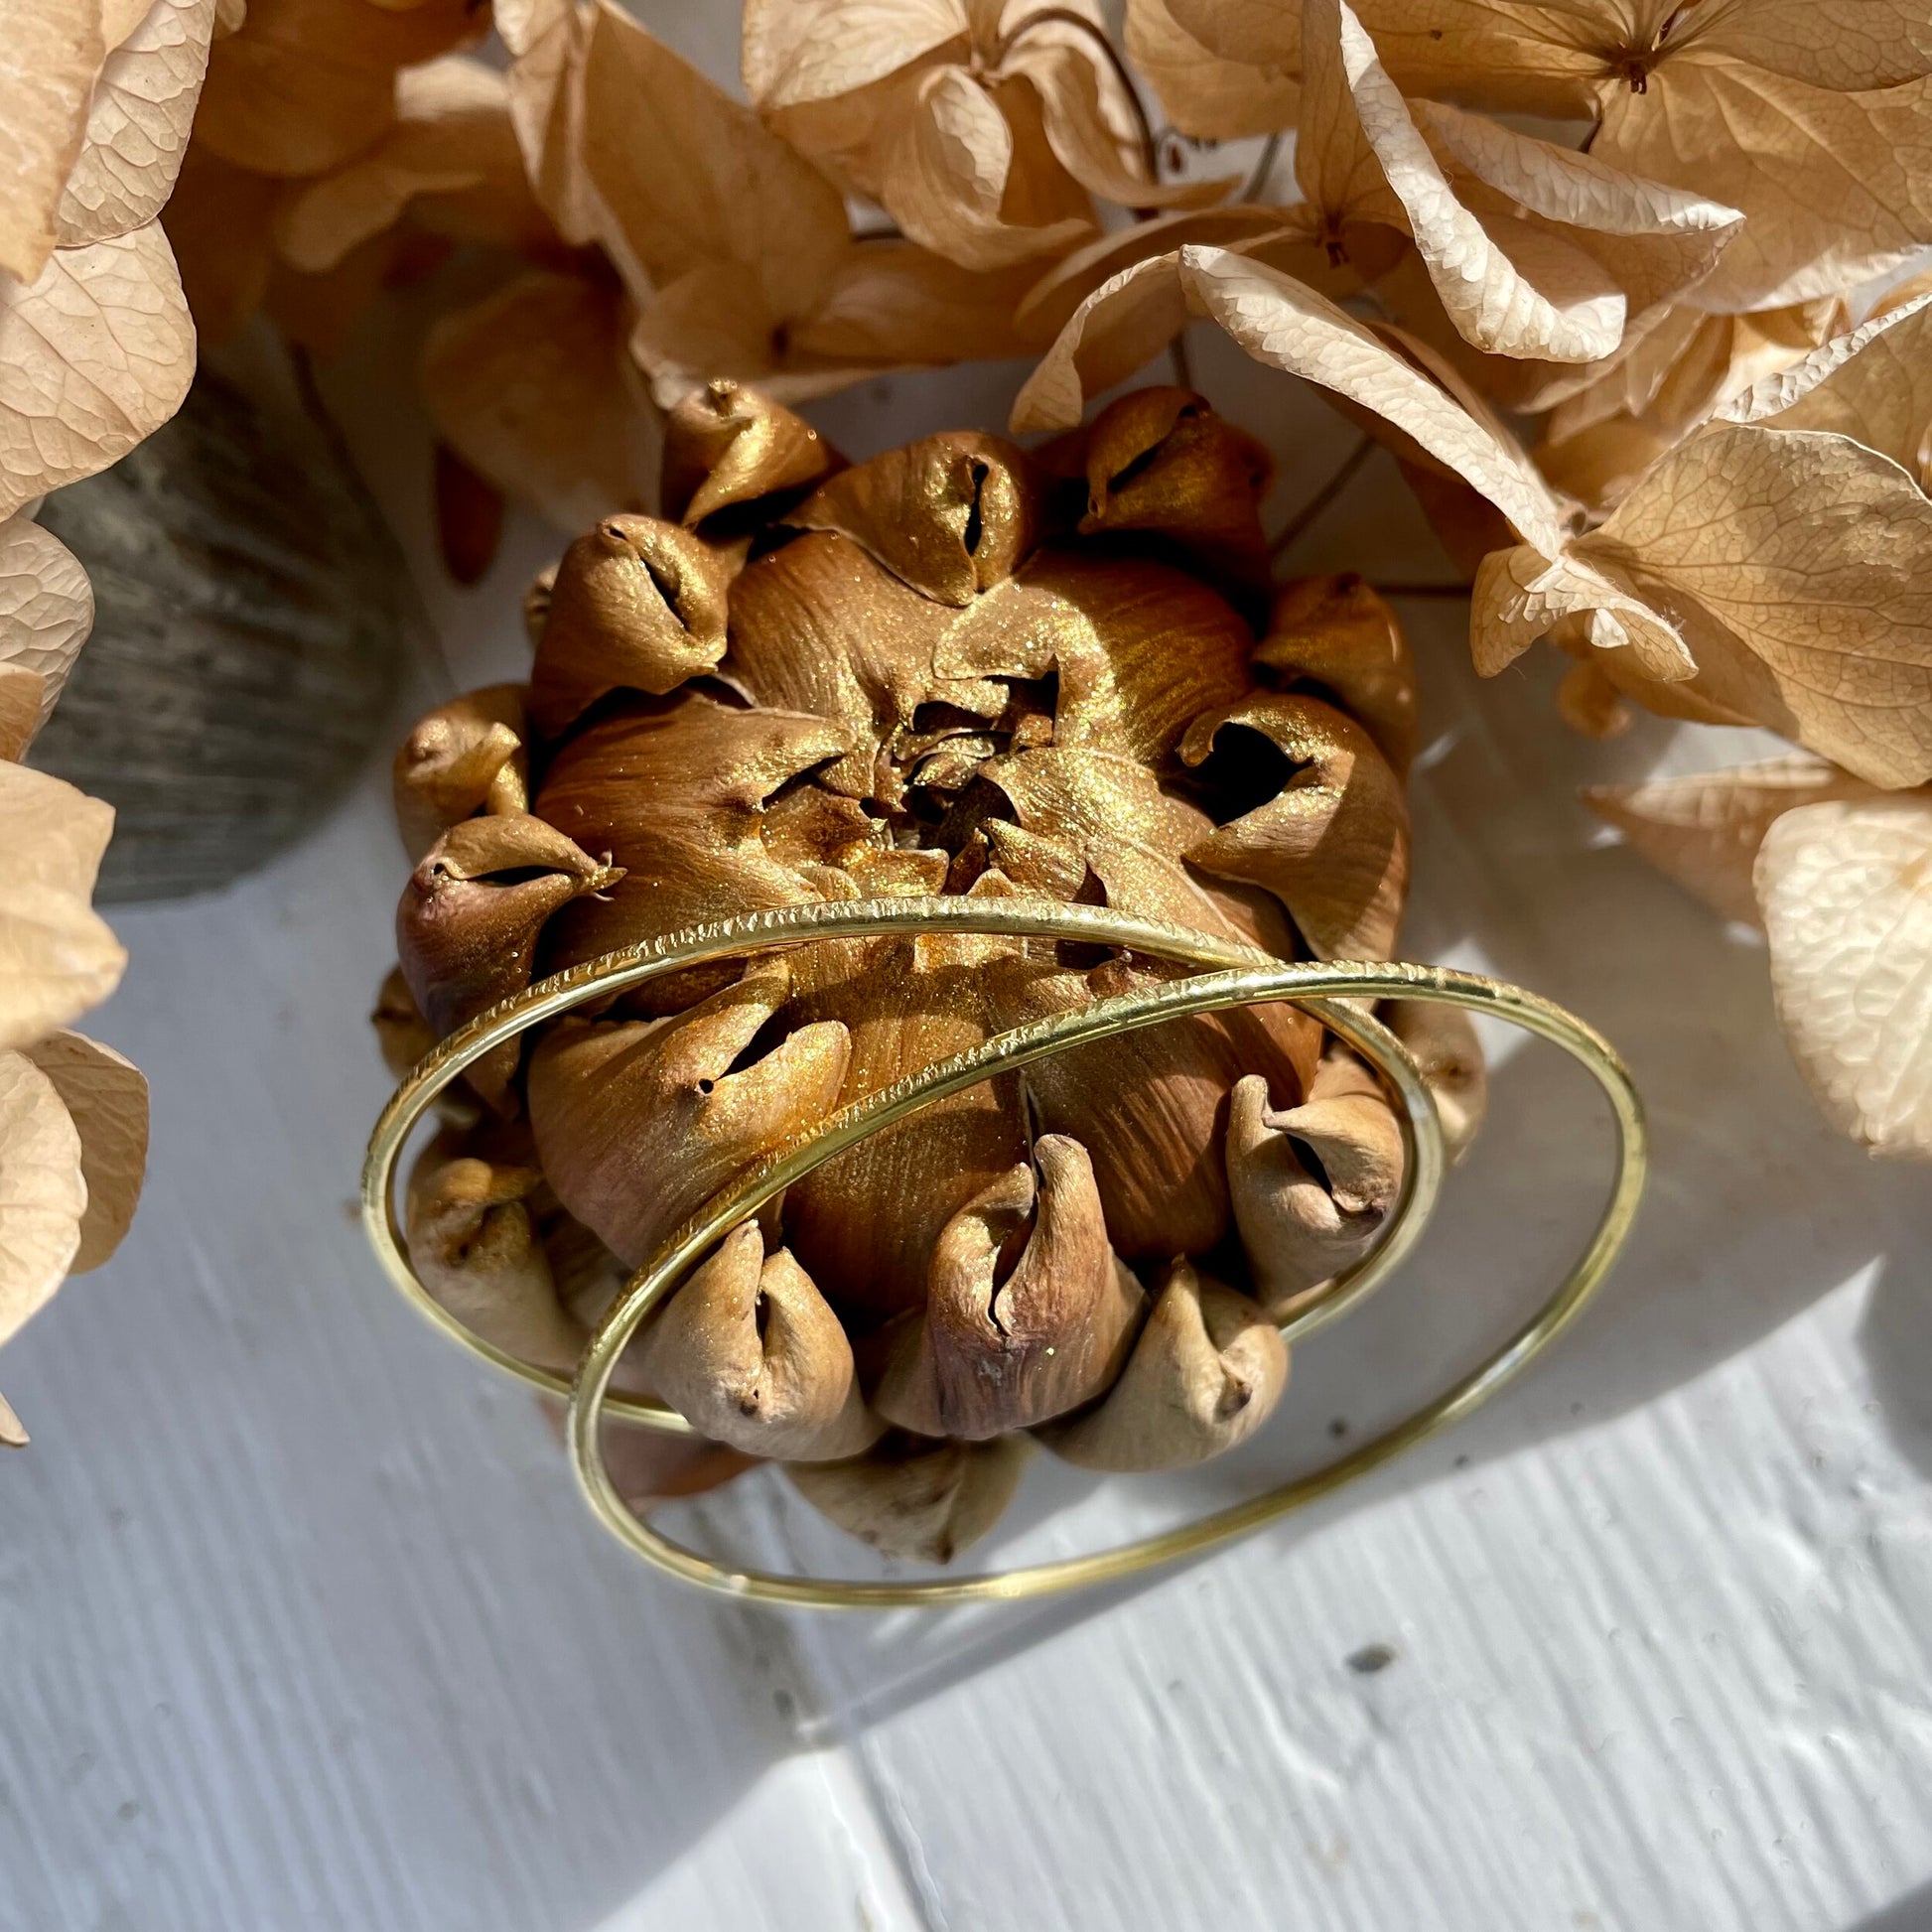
1449 1055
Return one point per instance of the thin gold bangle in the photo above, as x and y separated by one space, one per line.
1244 980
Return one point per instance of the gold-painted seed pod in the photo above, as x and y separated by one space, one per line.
1226 975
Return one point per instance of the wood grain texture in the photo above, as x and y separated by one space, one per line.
304 1627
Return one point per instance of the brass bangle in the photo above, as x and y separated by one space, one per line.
1233 975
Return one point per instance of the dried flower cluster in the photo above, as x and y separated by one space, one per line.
956 668
1619 284
96 350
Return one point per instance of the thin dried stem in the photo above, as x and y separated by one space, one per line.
1323 497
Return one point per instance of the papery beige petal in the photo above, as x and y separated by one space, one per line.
1655 239
1874 383
19 708
13 1432
46 608
220 222
450 148
1520 594
1202 94
1206 1374
638 605
547 42
947 175
1601 465
464 756
712 183
1846 891
106 1098
890 304
1442 1042
1589 703
951 514
749 1352
1835 186
95 355
1337 635
51 52
1705 830
1288 325
640 1123
1051 298
1007 1340
307 82
678 795
796 51
1327 831
726 445
1313 1185
474 1245
1068 85
528 386
1495 307
43 1195
467 922
914 1499
56 956
137 124
1799 586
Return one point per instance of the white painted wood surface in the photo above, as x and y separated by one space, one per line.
303 1627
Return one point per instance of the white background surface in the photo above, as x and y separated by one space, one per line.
302 1625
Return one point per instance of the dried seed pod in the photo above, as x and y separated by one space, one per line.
941 680
474 1245
1449 1055
638 1122
467 923
1162 460
1335 634
537 603
914 1498
727 447
1029 1312
750 1354
401 1032
1204 1375
638 605
950 515
1313 1185
465 756
1329 837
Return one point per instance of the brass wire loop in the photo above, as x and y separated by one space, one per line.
1227 974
